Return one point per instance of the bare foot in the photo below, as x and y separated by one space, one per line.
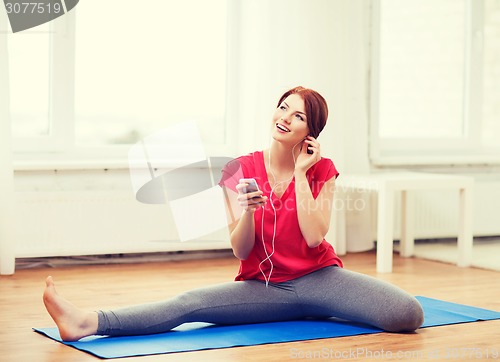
72 322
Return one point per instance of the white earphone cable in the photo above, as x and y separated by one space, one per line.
269 255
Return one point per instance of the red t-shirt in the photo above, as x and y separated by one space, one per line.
292 258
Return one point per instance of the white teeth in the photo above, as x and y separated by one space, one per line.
282 127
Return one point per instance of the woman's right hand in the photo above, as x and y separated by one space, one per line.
250 201
243 231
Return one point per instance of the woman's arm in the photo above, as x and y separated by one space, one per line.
242 227
313 214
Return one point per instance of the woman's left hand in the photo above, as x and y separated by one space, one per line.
305 160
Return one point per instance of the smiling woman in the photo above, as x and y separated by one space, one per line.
312 101
287 268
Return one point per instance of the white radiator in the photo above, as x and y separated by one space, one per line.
63 223
436 215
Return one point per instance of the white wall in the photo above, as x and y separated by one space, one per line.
7 241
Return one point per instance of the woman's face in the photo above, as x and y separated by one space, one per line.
290 121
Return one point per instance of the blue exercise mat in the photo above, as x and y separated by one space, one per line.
200 336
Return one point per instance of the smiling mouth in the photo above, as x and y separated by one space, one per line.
282 128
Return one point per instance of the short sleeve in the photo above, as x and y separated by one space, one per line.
332 170
231 173
320 173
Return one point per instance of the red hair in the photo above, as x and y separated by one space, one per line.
315 107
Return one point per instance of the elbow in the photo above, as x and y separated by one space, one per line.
315 240
314 243
240 256
241 253
314 234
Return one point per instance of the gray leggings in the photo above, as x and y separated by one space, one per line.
328 292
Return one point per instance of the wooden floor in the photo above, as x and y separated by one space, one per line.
94 287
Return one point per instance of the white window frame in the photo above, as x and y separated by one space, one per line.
443 151
58 150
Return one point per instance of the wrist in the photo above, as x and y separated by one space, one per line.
248 212
299 173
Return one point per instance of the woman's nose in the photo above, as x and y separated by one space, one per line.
285 118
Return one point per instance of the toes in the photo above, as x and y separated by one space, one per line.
49 281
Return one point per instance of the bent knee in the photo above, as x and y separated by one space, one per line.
409 317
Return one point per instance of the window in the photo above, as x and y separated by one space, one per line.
29 69
434 92
156 63
91 83
491 80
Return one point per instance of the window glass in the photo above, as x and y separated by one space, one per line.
29 84
141 66
421 90
491 74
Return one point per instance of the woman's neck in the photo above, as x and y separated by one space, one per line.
280 158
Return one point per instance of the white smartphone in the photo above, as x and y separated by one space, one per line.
252 185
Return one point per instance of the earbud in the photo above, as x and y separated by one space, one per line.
309 151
